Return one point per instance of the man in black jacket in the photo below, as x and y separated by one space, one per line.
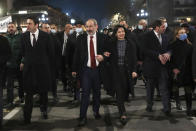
13 64
37 53
63 37
156 55
55 63
194 57
87 60
5 52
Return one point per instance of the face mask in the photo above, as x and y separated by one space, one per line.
166 25
71 31
110 33
140 27
183 36
53 31
78 30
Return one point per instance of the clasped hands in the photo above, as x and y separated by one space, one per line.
164 58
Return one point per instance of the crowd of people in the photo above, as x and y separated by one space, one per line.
85 59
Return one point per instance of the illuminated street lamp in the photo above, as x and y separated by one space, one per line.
67 14
73 21
142 13
43 18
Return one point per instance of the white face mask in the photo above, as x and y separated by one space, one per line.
71 32
166 25
53 31
140 27
78 30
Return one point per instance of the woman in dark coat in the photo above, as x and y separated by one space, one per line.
123 65
181 64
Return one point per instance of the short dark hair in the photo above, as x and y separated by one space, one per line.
116 29
43 24
156 23
11 23
34 19
162 18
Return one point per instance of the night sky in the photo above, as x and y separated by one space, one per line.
85 9
82 8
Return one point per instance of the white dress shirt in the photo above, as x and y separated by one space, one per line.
159 37
64 44
36 36
95 49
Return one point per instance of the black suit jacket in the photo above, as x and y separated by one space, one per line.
151 48
37 63
194 57
81 54
5 50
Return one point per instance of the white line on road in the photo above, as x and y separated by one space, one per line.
12 113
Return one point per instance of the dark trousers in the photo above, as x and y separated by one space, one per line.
162 83
121 87
28 107
77 90
63 72
90 80
12 74
1 95
188 95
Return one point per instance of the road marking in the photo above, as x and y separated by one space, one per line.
12 113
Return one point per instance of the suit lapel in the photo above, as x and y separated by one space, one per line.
98 41
39 36
28 39
157 40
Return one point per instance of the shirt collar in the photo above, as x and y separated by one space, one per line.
36 32
156 34
93 35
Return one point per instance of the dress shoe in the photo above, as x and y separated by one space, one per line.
123 120
9 106
189 113
97 116
44 115
22 100
82 122
55 99
1 126
167 113
178 106
149 109
27 122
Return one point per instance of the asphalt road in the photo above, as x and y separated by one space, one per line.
63 115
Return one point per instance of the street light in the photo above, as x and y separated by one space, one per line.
142 13
67 14
73 21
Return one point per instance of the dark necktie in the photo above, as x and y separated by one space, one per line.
92 53
34 40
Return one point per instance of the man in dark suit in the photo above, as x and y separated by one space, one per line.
70 49
156 55
55 64
63 37
194 57
5 53
87 60
37 54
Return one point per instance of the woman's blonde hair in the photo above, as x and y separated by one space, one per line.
176 32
